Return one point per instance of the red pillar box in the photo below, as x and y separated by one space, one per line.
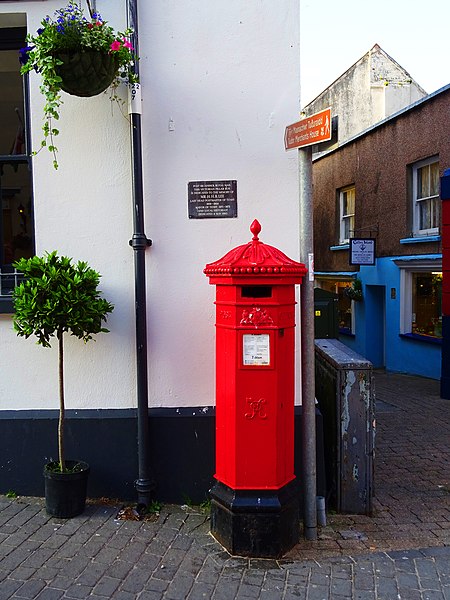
254 509
445 360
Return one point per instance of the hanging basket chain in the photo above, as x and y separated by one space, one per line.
91 12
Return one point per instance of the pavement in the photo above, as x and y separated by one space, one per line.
401 552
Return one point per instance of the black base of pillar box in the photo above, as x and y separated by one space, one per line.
256 523
445 388
445 362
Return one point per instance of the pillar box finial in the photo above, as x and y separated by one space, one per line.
255 228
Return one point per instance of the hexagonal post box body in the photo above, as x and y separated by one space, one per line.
445 354
255 347
255 375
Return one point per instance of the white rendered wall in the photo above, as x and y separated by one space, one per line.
226 78
371 90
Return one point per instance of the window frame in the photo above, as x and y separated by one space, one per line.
406 292
416 202
343 218
13 39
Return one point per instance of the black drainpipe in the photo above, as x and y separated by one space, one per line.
145 484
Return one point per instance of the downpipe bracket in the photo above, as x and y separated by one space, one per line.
140 241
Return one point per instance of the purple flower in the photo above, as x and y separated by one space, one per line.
23 54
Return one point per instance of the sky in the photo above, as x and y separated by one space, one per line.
334 34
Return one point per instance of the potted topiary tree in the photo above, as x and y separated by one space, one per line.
58 297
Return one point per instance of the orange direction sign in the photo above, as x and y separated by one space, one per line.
311 130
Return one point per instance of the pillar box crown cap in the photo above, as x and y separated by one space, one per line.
256 259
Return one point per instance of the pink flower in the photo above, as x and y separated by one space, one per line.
127 44
115 46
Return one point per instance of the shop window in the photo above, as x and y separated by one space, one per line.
347 214
346 317
16 214
426 202
421 306
426 316
345 308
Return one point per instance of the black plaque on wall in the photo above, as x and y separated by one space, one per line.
212 199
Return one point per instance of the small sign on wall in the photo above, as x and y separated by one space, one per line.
212 199
362 251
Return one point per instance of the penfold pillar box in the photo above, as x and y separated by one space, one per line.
445 354
255 501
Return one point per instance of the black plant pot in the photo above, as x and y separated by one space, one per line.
86 73
65 493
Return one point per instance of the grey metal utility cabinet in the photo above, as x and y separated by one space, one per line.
346 396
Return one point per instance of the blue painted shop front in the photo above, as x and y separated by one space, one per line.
381 332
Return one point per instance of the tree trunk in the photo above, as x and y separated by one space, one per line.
61 402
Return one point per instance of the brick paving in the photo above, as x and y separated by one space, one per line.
402 552
412 475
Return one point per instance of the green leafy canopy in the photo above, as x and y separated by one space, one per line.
58 296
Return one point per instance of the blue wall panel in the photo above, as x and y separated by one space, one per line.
401 354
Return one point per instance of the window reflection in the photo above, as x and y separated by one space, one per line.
16 198
427 304
16 215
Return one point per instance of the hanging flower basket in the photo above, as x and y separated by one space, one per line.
79 55
354 291
86 73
